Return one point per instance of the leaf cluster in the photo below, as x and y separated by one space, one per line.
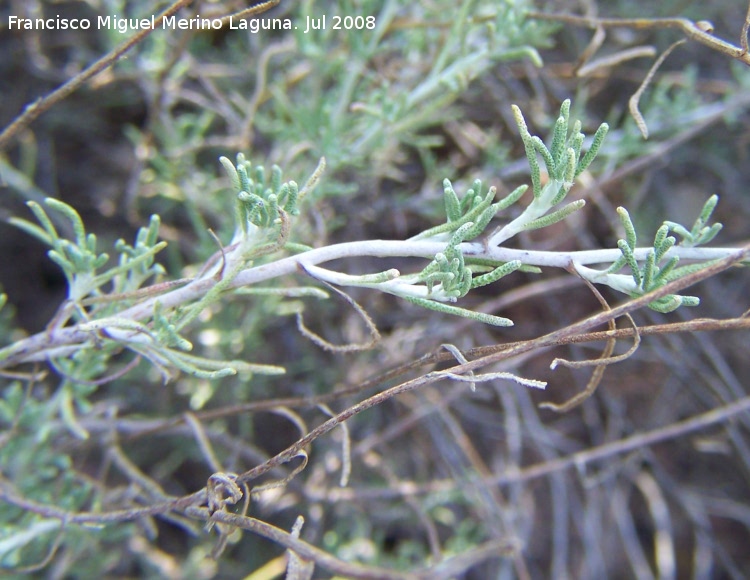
564 163
447 277
473 208
261 198
79 260
656 271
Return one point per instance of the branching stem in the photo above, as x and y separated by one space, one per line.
66 340
697 31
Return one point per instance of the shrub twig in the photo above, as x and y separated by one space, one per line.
700 31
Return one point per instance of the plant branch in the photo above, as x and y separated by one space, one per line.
42 105
698 31
579 460
132 429
550 339
64 341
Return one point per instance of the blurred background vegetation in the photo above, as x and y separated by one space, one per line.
423 95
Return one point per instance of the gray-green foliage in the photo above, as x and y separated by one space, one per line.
365 116
455 278
79 260
43 473
260 199
564 163
651 275
472 207
330 93
658 268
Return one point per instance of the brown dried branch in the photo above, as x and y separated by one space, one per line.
636 97
451 567
601 363
697 31
578 460
34 110
327 345
697 325
42 105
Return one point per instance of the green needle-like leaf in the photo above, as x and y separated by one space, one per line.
457 311
72 215
593 151
512 197
627 224
496 274
549 160
536 180
555 216
630 260
560 131
452 203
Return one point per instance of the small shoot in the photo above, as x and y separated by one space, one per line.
445 279
136 264
563 162
261 197
167 333
652 274
473 207
700 233
265 203
79 259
